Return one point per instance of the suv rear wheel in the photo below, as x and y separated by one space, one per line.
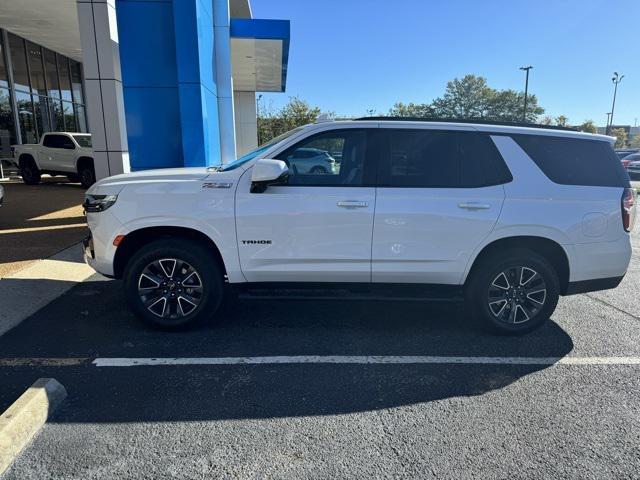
171 284
513 292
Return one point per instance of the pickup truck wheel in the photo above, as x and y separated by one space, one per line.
171 284
29 172
87 175
513 292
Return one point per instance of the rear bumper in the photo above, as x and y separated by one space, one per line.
594 285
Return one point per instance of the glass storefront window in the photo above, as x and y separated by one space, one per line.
76 81
51 73
65 81
19 63
82 119
26 118
4 79
7 127
45 94
41 109
34 54
69 117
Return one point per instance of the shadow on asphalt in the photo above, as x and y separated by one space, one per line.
92 321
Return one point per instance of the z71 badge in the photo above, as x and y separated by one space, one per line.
217 184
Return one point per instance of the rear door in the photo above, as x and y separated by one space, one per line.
318 227
440 193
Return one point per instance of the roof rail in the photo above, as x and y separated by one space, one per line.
468 120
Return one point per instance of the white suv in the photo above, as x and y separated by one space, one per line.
508 217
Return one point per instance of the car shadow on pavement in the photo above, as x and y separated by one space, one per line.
92 321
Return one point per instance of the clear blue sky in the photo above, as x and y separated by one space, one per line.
349 56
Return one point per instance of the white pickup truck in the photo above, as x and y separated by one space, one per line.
58 153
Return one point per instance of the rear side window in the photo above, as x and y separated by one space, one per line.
52 141
573 161
440 159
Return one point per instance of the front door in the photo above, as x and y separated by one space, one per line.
318 227
440 195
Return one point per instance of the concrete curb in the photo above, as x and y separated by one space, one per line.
26 416
26 291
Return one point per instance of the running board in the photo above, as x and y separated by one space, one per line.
371 292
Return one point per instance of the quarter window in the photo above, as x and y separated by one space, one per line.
335 158
573 161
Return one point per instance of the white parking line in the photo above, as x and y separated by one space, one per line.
364 360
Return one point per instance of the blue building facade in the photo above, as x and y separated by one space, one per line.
184 78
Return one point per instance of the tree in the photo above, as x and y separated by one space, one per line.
562 121
272 122
621 137
547 120
635 142
417 110
471 98
588 126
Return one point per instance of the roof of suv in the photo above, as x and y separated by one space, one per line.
480 125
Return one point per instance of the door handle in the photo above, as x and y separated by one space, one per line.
474 206
352 204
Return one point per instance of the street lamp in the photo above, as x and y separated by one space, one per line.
616 79
607 124
526 90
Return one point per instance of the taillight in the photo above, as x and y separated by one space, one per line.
628 207
625 163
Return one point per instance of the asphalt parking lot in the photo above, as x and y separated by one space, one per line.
319 420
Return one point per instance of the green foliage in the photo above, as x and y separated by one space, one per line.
272 122
588 126
471 97
621 137
635 142
562 121
418 110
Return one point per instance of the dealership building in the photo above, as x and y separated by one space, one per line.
158 83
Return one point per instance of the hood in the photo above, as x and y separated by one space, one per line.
165 175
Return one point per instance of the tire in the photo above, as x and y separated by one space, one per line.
87 174
319 170
165 269
517 280
29 172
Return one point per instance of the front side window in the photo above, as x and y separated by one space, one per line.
83 140
335 158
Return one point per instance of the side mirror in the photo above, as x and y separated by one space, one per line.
268 172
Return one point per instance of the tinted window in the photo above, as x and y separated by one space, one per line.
573 161
313 161
56 141
18 62
441 159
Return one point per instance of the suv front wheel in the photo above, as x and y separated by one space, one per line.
171 284
513 292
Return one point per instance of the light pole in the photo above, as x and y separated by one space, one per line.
526 91
616 79
606 129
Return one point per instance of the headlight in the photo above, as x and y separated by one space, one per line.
98 203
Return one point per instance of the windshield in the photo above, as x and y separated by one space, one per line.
83 140
254 153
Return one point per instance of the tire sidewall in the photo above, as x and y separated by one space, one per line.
32 175
192 253
87 176
486 273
